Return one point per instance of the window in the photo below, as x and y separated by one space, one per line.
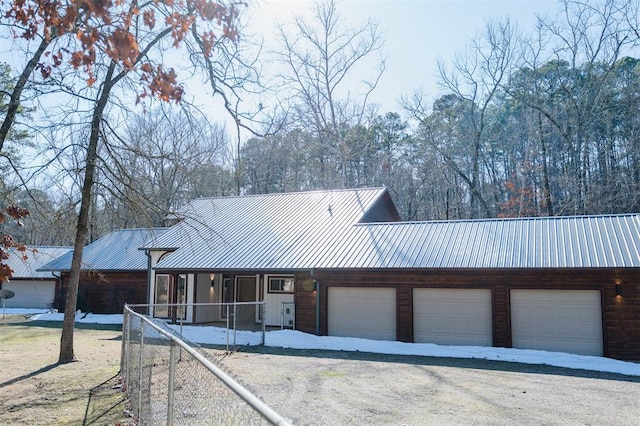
170 290
281 284
162 296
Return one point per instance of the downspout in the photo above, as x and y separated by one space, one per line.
148 253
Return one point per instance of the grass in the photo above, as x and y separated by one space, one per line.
35 390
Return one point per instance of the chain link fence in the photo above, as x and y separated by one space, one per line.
225 324
169 382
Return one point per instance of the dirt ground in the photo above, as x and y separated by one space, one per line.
34 390
340 388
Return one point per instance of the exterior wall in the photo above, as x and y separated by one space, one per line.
621 314
31 293
382 211
155 258
273 303
204 293
305 298
106 293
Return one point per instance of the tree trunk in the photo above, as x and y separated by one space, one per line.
546 188
16 93
66 340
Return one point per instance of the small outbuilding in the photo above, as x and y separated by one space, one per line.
33 289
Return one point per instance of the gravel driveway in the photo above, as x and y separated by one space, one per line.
335 388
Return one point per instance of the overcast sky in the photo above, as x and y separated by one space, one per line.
417 32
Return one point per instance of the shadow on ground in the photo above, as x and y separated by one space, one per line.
58 324
105 403
479 364
29 375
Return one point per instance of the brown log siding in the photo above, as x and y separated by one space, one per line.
107 292
620 315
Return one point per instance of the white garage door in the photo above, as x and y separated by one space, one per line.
369 313
30 294
452 316
557 320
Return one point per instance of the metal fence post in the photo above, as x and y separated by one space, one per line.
124 340
264 316
235 316
172 375
140 367
126 335
227 334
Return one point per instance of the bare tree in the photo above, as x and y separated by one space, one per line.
324 58
474 82
158 162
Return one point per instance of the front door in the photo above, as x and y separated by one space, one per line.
246 292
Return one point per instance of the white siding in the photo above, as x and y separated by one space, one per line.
274 306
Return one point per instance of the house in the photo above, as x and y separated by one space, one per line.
341 263
33 289
248 248
114 272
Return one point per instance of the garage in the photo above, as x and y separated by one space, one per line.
369 313
30 293
557 320
452 316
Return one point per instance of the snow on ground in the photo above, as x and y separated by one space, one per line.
48 315
299 340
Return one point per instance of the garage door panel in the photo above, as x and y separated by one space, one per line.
368 313
557 320
30 294
452 316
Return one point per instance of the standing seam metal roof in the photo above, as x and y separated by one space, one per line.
116 251
271 231
607 241
295 231
29 268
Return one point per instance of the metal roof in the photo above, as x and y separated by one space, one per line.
607 241
29 268
270 231
116 251
264 234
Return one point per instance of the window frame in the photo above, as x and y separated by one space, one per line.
283 278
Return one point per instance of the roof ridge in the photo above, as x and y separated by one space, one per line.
273 194
32 246
506 219
155 228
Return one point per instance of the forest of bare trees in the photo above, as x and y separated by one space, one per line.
535 124
527 124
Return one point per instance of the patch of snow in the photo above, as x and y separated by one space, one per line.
54 315
25 311
298 340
